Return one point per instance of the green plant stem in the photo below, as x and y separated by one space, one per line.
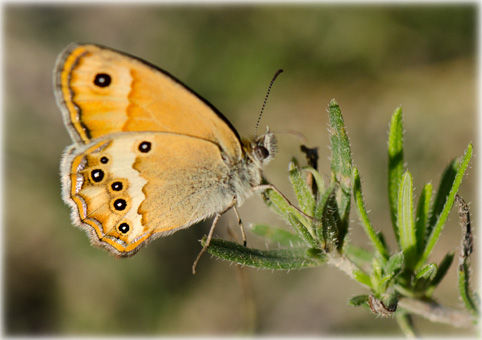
342 263
426 309
406 324
437 313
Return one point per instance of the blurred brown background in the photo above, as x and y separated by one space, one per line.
370 58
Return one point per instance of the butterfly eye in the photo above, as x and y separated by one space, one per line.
261 152
145 147
120 204
124 228
102 80
104 160
97 175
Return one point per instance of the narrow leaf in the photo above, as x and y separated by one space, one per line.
423 279
362 277
283 259
406 226
464 260
277 203
320 183
303 231
445 185
319 211
457 181
394 264
395 164
358 300
443 267
302 190
322 200
282 207
359 256
341 163
340 145
330 224
423 210
465 291
428 272
277 235
362 214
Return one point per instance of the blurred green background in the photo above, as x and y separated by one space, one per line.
371 58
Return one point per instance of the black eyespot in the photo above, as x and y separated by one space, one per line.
97 175
120 204
116 186
124 228
102 80
104 160
145 147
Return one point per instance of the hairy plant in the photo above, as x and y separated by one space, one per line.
401 281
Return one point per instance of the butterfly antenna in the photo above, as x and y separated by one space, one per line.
266 99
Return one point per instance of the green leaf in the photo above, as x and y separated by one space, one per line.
405 323
283 259
424 277
406 226
359 256
423 210
464 289
455 184
340 145
341 165
428 272
464 261
322 200
320 183
445 185
330 224
362 277
277 235
316 253
302 229
283 208
443 267
358 300
376 269
395 164
362 214
302 190
394 264
277 203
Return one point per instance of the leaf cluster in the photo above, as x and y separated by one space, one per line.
320 224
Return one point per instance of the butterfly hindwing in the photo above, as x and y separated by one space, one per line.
130 188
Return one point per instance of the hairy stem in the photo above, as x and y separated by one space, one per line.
426 309
437 313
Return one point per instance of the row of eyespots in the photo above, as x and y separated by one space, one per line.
119 204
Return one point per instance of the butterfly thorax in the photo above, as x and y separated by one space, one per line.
248 173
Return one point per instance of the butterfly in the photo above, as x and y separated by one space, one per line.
149 155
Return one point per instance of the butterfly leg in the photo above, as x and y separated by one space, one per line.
206 244
241 226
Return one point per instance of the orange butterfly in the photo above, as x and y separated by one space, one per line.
150 156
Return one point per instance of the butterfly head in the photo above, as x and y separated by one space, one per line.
261 149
